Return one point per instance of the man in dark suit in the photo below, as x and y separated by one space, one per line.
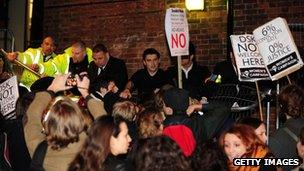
194 75
106 66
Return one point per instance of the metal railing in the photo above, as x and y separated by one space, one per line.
7 40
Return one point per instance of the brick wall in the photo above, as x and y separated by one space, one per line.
254 13
127 27
3 14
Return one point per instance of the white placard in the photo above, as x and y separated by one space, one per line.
277 48
177 31
250 64
8 95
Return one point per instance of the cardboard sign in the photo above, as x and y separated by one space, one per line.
277 47
8 95
177 31
250 64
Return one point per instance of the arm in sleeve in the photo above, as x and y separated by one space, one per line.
96 107
26 57
33 128
54 66
122 76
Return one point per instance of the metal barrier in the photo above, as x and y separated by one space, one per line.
242 99
7 40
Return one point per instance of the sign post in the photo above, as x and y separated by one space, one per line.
250 64
177 33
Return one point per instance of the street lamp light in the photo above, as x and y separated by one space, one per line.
194 4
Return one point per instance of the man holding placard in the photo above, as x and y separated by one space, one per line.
193 75
177 33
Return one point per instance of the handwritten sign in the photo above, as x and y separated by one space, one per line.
177 31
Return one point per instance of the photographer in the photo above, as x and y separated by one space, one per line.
62 122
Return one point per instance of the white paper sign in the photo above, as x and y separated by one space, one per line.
8 95
250 64
177 31
277 48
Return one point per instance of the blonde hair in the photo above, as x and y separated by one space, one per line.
150 123
125 109
63 123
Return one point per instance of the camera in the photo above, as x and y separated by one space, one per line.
71 80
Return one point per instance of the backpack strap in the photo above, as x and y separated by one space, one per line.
38 156
293 135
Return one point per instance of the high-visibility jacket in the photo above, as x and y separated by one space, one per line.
33 56
60 64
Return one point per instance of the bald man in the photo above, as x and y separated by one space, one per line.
75 59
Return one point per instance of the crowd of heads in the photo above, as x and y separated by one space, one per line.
142 134
110 135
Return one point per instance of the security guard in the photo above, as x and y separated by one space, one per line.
35 59
75 59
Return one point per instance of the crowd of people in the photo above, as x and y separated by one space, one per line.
141 123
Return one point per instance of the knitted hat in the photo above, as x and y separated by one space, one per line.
177 99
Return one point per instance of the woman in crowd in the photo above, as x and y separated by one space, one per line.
150 123
240 141
162 154
107 139
283 141
62 123
257 125
208 157
158 97
127 110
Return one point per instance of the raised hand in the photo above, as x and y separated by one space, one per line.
59 83
83 85
12 56
126 94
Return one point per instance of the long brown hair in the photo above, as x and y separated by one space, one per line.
291 101
96 147
63 123
247 135
149 123
160 153
254 146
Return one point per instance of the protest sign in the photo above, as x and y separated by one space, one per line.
8 95
177 31
277 47
249 62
